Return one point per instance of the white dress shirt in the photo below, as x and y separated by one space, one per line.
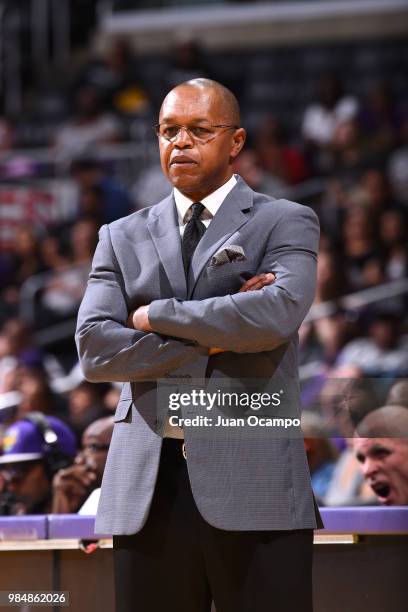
212 203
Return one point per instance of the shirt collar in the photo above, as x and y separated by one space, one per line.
212 202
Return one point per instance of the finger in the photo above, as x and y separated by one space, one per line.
85 478
129 322
267 279
270 278
71 487
258 285
264 282
76 472
250 282
254 280
76 486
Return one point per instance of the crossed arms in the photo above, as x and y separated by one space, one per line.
248 321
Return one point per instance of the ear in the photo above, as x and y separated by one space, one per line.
238 142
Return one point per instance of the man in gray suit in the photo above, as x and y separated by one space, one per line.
183 291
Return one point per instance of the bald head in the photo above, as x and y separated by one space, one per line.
386 422
199 137
95 443
398 394
101 429
227 103
381 448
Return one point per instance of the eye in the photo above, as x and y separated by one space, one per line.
169 131
200 131
381 453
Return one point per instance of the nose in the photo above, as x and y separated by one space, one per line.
80 459
369 467
183 138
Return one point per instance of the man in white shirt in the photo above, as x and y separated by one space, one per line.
185 291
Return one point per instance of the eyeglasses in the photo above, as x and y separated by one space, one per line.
200 133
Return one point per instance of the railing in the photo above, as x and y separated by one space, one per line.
258 23
355 301
352 302
137 154
362 520
358 300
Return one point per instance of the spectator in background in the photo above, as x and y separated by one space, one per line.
18 349
331 277
347 486
36 393
91 125
73 485
380 118
34 449
66 285
24 260
247 166
360 248
83 240
348 155
85 405
382 451
322 339
321 118
372 191
332 331
398 394
53 253
393 232
99 194
117 76
320 451
383 352
91 203
345 400
277 156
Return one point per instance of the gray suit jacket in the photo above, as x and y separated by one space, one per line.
241 479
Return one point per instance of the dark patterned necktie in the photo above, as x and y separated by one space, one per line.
193 233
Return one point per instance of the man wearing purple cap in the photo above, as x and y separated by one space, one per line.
34 449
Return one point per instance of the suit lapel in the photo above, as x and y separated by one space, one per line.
228 219
164 230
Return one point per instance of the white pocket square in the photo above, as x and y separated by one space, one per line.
232 252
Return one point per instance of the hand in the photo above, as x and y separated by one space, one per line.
258 282
139 319
70 486
253 284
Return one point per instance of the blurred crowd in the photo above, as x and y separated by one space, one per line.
347 158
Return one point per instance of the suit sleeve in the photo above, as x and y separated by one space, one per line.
110 351
261 320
